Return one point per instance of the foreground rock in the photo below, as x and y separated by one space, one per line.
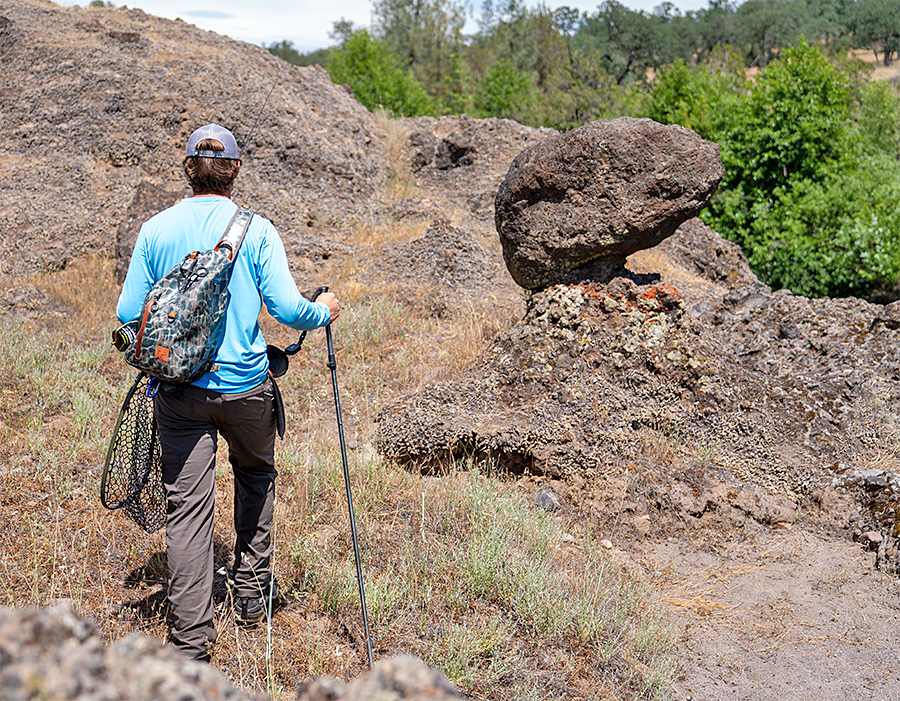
394 679
599 193
54 654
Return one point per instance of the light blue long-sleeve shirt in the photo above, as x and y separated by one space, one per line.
261 276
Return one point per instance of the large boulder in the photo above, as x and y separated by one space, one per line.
694 357
583 201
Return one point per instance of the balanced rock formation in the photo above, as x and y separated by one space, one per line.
689 358
576 205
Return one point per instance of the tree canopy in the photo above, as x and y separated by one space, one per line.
809 142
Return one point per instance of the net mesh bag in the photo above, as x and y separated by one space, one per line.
132 475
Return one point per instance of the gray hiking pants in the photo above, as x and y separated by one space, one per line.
189 420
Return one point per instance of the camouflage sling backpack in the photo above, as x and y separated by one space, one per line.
183 315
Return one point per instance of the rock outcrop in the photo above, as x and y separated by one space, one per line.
576 205
763 387
97 100
442 270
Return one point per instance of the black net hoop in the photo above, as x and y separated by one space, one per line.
132 475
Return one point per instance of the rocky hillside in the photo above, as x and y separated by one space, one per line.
96 101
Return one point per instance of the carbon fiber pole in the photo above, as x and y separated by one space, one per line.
332 365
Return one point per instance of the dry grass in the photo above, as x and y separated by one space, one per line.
461 571
401 183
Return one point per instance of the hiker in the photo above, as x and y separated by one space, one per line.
237 397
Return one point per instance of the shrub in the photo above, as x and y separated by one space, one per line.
809 192
375 76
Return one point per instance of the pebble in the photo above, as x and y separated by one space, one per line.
871 538
606 544
547 499
876 482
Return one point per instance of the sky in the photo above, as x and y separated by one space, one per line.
306 23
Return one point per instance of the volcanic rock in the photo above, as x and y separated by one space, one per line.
491 146
454 151
598 193
443 268
97 100
597 376
400 678
421 146
148 201
54 654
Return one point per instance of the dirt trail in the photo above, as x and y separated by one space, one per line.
780 614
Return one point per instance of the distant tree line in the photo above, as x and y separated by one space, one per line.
561 67
810 143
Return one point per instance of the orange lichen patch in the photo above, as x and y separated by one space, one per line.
651 300
589 291
665 296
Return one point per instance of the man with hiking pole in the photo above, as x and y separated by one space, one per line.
236 397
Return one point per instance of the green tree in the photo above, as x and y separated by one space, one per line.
375 76
504 92
767 25
285 50
341 30
625 39
835 236
876 26
457 95
704 98
878 118
425 35
716 26
829 20
794 123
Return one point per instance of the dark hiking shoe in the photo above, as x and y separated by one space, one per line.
250 609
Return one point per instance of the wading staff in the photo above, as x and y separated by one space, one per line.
332 365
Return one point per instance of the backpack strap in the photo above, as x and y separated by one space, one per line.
234 233
148 306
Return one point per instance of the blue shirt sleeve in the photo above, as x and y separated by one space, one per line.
279 291
138 282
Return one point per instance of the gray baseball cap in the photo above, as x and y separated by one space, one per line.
220 134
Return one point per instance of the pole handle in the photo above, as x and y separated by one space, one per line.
295 347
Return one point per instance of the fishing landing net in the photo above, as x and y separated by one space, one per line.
132 475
